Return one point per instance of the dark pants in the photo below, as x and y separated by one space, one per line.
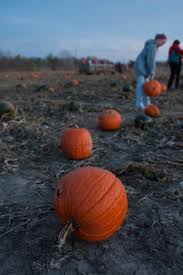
175 69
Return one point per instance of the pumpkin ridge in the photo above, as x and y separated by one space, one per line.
76 148
72 210
73 151
100 235
83 149
81 202
101 197
66 204
105 227
114 202
123 206
85 145
117 214
121 210
68 208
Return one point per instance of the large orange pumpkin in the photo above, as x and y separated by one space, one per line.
76 143
110 120
163 88
92 202
152 88
152 110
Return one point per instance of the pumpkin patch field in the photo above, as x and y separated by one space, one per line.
76 154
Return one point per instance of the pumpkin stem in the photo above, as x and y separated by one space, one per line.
64 234
75 126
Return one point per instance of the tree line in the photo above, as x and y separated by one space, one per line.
52 62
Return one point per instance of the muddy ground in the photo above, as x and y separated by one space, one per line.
149 163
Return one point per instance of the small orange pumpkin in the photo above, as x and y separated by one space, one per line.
163 88
75 82
76 143
152 88
110 120
35 75
92 202
152 110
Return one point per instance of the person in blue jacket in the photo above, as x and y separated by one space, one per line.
145 67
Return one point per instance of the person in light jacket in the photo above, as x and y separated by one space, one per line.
145 67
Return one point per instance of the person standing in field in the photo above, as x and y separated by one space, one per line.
145 67
175 62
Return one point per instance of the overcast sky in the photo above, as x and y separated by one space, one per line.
116 29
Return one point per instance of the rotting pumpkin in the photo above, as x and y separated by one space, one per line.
91 202
76 143
109 120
